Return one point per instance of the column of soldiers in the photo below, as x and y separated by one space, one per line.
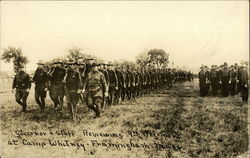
229 80
96 85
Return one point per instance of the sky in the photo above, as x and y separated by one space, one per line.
192 32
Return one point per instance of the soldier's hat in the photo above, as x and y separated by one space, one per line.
40 62
225 63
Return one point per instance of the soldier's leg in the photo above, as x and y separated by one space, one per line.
18 98
233 88
74 101
37 97
97 103
24 99
61 94
43 96
54 96
90 101
68 102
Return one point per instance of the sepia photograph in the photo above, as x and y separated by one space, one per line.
124 79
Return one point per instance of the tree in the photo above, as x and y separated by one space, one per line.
14 55
74 55
142 59
158 57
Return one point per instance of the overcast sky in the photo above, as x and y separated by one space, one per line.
193 32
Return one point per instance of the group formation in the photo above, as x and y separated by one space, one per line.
229 80
98 85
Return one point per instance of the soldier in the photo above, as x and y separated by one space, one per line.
126 83
94 85
103 69
22 84
56 87
121 84
233 80
41 85
72 82
244 83
113 83
203 80
224 80
214 79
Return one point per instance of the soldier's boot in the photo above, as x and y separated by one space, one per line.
24 107
60 104
97 110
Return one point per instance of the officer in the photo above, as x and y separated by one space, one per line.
202 80
113 83
244 83
41 85
56 87
22 84
72 82
233 80
224 80
94 86
214 79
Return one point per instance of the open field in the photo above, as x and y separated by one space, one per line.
166 123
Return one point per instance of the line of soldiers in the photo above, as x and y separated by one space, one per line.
229 80
96 85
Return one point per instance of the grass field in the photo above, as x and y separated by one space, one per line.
166 123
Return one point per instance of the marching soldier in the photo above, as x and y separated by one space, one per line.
56 88
121 84
22 84
41 85
72 82
94 86
103 69
113 83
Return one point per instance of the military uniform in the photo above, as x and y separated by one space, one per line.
224 78
72 86
233 81
202 82
95 85
113 85
41 84
244 85
214 79
22 84
56 88
121 85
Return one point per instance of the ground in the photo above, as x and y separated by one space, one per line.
173 122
